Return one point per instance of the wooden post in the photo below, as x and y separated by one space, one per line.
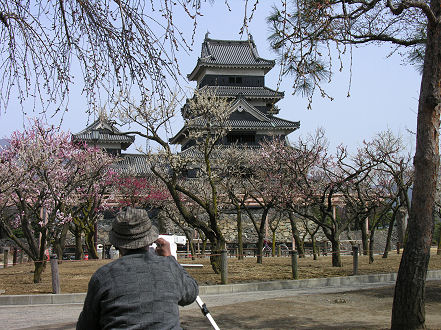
5 257
20 256
224 267
279 250
355 260
294 260
55 275
14 256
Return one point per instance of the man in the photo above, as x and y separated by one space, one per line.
142 289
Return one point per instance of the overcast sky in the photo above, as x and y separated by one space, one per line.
384 92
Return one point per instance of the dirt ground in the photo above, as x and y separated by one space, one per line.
362 309
75 275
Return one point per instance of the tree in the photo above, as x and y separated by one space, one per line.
303 32
170 212
311 182
295 230
262 191
144 192
206 117
98 177
273 223
312 229
234 190
49 173
394 176
114 45
370 200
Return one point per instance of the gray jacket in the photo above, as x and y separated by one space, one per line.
137 291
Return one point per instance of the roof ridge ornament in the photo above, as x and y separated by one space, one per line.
253 47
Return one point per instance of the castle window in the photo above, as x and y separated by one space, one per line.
243 138
235 80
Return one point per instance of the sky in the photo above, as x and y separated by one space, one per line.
383 90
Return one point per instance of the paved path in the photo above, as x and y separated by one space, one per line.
352 306
65 316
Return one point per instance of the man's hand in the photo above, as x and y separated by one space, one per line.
162 247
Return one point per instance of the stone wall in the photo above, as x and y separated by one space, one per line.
228 226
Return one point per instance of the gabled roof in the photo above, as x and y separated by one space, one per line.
241 105
256 121
230 53
259 120
246 91
133 164
102 131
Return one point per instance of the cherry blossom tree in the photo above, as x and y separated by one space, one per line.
97 179
310 181
49 174
128 190
311 229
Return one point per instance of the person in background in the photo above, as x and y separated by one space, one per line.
142 289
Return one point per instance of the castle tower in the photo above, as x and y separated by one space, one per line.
234 70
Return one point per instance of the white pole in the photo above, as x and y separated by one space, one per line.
205 311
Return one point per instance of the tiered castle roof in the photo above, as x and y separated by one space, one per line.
233 69
229 54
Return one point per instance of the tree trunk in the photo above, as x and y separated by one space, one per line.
239 233
188 234
39 266
260 238
192 250
336 257
371 245
408 311
90 243
14 256
273 246
296 234
364 238
204 246
314 247
60 242
58 250
401 219
79 254
215 258
387 248
40 261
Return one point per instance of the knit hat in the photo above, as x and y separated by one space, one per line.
132 229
